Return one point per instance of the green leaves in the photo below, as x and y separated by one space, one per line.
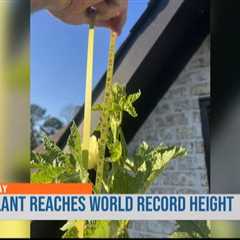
115 151
142 169
74 144
101 229
70 229
52 151
47 167
157 161
56 166
124 102
123 174
121 103
127 103
192 229
46 173
106 229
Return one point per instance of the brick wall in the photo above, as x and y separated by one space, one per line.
176 121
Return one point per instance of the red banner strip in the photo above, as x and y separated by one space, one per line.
63 188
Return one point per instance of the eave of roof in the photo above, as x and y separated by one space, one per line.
166 60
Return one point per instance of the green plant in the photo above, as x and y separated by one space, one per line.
122 173
192 229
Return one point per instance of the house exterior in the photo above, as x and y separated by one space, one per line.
176 120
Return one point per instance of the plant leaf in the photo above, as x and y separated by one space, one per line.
74 143
147 163
192 229
115 151
128 105
70 229
101 229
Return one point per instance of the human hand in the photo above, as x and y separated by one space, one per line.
109 13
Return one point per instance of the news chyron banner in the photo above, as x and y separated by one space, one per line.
76 201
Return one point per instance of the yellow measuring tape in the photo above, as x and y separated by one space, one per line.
88 103
80 224
88 97
87 112
104 114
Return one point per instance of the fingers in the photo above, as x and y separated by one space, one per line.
57 5
118 22
109 13
115 24
112 14
107 10
76 12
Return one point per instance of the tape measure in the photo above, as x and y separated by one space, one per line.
104 126
80 224
88 98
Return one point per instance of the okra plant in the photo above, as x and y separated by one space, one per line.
123 173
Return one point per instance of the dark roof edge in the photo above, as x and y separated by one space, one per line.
165 61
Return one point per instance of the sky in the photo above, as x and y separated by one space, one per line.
58 58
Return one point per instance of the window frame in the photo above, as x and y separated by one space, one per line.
204 105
